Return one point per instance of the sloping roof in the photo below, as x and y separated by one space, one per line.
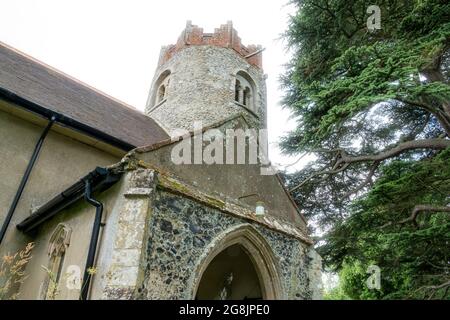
53 90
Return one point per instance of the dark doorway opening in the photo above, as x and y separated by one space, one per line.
231 275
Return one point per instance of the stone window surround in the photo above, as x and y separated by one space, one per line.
161 95
57 248
158 105
247 109
246 82
163 80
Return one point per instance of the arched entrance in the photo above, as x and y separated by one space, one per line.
239 265
230 276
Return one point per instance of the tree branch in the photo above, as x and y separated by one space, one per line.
423 208
434 289
415 213
319 173
436 144
442 117
333 16
367 181
343 160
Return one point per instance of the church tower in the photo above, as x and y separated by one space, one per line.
208 77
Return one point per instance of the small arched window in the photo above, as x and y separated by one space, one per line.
59 242
244 91
161 89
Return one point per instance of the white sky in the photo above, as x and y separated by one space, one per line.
114 45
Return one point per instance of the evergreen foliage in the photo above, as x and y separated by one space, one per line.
373 107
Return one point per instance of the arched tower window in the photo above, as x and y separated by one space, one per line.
160 89
244 91
58 244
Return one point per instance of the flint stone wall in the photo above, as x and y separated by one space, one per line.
181 229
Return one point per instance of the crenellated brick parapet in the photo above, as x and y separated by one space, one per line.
225 36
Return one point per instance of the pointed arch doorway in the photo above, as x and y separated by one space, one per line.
238 266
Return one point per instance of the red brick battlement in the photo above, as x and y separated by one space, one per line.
225 36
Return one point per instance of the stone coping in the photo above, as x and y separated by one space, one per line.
172 184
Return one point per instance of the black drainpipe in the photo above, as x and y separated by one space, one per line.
25 177
94 240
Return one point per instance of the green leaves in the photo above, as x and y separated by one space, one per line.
362 93
411 258
334 77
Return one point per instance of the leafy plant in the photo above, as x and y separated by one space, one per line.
51 285
12 271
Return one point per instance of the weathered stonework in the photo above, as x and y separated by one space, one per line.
202 88
315 274
181 229
164 224
121 278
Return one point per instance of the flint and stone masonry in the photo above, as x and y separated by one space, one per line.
167 231
199 76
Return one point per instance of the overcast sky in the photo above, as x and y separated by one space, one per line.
113 45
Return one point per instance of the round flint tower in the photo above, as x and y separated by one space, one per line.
208 77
